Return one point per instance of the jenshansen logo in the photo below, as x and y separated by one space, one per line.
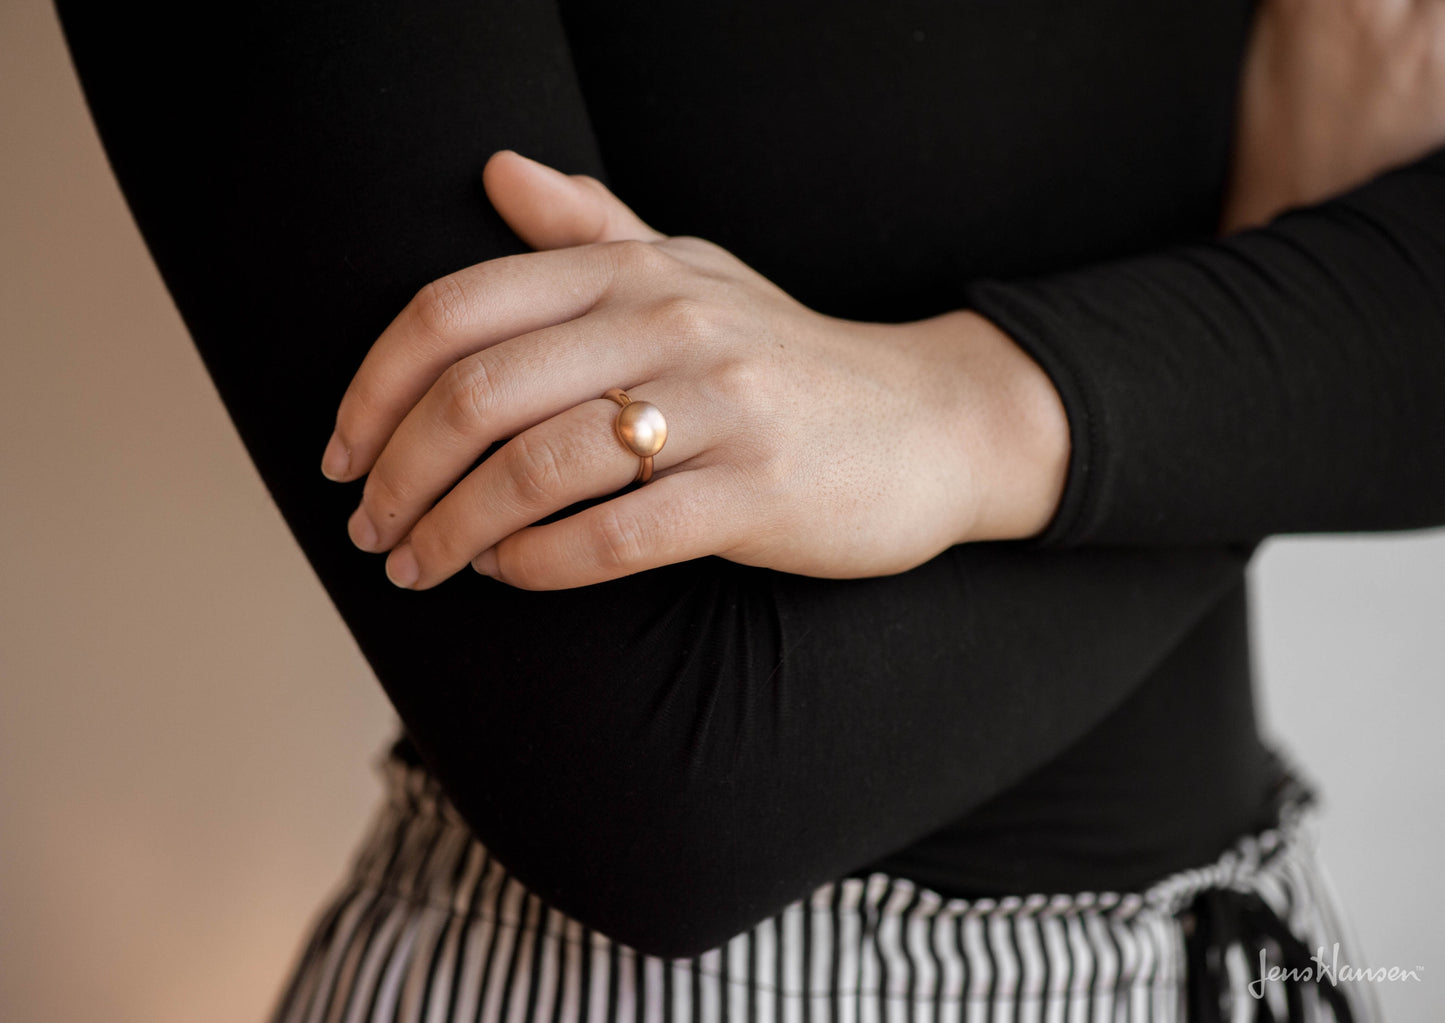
1332 970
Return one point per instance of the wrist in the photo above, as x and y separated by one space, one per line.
1016 432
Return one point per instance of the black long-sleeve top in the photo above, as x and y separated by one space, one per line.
672 756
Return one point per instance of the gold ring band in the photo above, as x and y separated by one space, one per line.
641 428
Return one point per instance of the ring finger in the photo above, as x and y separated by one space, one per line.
497 392
574 456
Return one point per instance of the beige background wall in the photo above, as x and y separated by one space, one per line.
186 728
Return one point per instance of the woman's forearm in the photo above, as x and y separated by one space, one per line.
1284 379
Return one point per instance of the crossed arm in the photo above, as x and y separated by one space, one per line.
672 754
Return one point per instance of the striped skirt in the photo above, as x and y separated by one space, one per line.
429 928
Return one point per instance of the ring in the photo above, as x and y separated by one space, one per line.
641 429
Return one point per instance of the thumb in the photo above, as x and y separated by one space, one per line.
551 210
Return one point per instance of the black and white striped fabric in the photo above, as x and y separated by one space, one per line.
429 928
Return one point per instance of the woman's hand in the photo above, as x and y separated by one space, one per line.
796 441
1332 93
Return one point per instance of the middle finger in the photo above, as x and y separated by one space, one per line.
571 457
490 395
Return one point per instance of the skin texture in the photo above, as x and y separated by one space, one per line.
1333 92
796 441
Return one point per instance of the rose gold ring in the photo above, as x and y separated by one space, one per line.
641 429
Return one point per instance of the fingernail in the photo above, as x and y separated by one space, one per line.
336 460
401 567
486 562
362 530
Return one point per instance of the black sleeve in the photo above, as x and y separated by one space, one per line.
1286 379
669 757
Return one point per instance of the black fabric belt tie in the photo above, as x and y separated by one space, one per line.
1219 919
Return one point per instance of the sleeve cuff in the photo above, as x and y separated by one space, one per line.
995 300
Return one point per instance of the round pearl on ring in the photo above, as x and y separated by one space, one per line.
642 428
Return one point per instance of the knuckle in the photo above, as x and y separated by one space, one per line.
762 475
388 493
364 401
516 568
591 184
764 472
467 395
684 317
771 473
441 306
434 547
736 380
640 258
534 468
692 244
618 542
